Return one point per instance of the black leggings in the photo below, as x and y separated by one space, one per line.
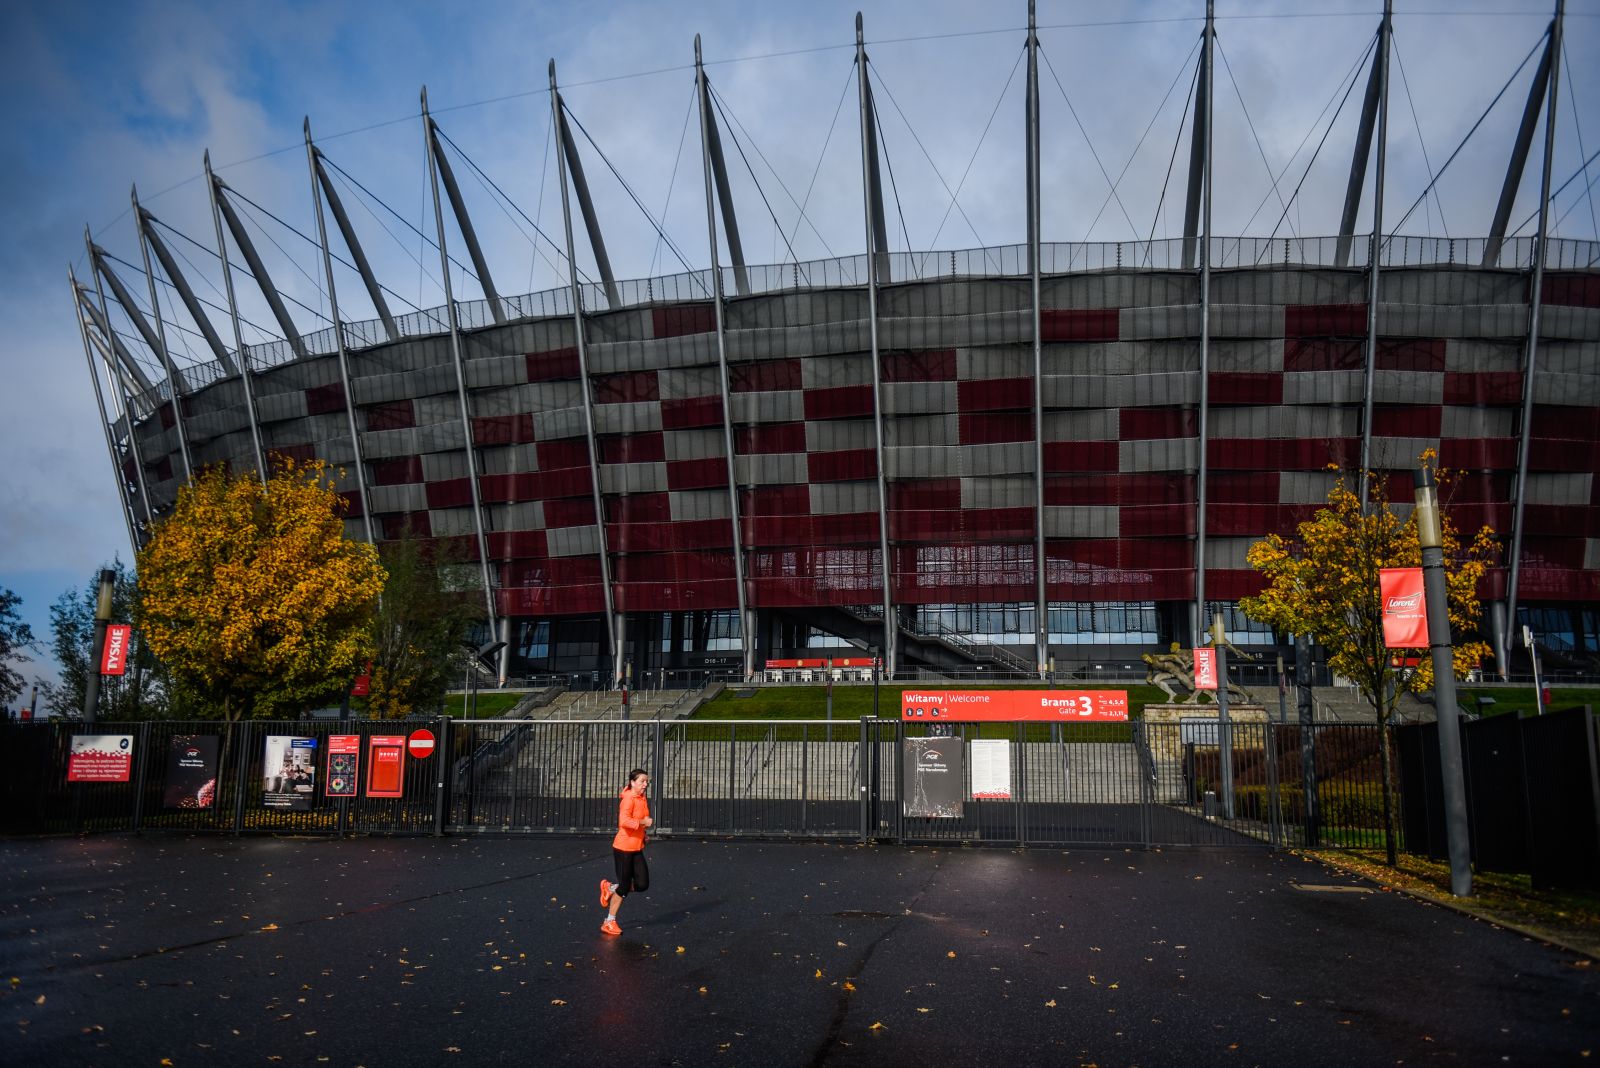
632 872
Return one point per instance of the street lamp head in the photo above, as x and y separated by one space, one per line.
1429 533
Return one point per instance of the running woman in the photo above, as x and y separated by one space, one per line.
627 849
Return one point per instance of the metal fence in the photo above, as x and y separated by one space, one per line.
1112 784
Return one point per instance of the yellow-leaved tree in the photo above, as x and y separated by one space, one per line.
1323 583
251 594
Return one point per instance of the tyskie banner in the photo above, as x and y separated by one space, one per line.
114 661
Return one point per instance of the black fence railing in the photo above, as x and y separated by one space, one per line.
1103 784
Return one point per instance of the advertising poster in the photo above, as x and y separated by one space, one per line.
191 772
991 768
289 773
386 756
1405 613
344 765
100 758
1205 669
935 778
114 661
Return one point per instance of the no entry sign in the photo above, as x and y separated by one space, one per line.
420 743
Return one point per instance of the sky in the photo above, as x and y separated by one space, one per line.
102 97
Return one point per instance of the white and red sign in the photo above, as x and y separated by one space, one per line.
100 758
420 743
114 661
1081 706
1405 612
1205 669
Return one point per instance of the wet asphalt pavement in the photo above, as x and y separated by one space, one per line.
379 952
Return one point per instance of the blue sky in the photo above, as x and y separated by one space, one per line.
101 96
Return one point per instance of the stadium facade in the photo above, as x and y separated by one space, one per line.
991 459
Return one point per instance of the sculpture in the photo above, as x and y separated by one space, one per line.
1176 666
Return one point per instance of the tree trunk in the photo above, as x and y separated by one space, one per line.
1388 794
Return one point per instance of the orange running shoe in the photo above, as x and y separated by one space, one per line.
605 893
610 927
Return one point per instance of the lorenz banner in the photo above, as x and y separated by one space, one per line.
289 773
191 772
935 778
1405 613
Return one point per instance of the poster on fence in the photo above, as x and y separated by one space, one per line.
935 778
100 758
191 772
344 763
386 761
289 772
991 768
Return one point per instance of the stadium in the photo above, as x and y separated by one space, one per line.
1034 459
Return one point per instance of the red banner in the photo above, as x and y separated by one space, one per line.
1078 706
114 661
1405 612
386 756
1205 669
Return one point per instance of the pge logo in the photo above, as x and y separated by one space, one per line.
124 743
931 755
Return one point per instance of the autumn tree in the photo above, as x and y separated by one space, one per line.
16 638
1323 583
252 594
418 629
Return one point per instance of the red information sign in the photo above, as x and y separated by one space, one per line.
420 743
1080 706
344 764
100 758
385 771
1405 614
115 659
1205 669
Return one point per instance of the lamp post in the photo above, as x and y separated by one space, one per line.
102 617
1219 643
478 654
1430 536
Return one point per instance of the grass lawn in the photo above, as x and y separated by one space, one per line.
1567 917
490 703
1519 700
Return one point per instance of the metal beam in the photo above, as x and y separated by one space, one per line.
247 248
100 408
185 294
238 335
1199 141
613 631
121 395
1380 66
464 222
591 222
871 198
878 262
338 334
461 369
100 269
1535 304
719 169
103 320
708 167
174 383
1041 636
1204 118
1358 159
370 280
1519 149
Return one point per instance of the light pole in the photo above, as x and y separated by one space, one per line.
1219 644
477 654
102 617
1430 537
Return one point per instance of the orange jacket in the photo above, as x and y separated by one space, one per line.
631 813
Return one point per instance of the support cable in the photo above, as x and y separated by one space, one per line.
716 100
409 224
1090 142
1354 71
849 80
315 283
1415 121
1396 228
219 309
1001 99
356 195
883 147
884 85
1148 127
1572 93
628 189
1176 141
1583 170
544 174
672 182
731 120
1313 160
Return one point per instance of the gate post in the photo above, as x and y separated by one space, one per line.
862 764
442 771
1147 784
1274 813
139 780
1021 730
245 734
658 776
